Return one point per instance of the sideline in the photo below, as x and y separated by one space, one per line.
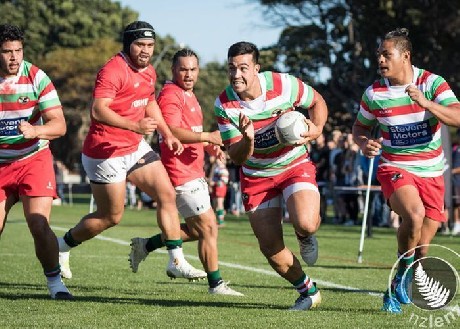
238 266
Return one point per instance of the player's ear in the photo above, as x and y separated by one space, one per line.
257 68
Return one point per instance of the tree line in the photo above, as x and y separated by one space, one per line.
329 44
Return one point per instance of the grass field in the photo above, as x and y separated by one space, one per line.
108 295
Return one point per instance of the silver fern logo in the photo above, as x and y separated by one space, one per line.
434 284
434 294
430 283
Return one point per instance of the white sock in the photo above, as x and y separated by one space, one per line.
176 253
63 247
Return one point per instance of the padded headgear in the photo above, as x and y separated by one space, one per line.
136 30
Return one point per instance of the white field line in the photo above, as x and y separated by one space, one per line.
238 266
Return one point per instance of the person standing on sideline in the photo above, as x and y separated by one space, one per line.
219 188
59 171
122 112
410 171
182 112
246 112
31 116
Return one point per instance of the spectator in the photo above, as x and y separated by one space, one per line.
219 189
456 183
60 170
319 155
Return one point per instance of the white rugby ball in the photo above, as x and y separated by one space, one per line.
289 126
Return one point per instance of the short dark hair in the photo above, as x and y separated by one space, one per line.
10 32
243 48
184 52
400 37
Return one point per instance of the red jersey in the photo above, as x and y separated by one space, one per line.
131 89
181 109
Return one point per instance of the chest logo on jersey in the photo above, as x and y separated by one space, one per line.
23 99
410 134
277 112
265 139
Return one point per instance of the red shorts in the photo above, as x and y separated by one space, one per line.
430 189
257 190
33 176
219 190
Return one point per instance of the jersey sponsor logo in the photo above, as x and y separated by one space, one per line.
385 111
23 99
410 134
140 102
265 139
9 127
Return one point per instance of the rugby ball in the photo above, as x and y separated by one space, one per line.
289 126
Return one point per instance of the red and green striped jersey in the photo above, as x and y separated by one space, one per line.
280 93
411 134
24 97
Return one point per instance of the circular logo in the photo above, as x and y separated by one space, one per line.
434 283
431 283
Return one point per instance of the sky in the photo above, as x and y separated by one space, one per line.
208 27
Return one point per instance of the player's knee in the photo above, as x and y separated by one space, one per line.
308 227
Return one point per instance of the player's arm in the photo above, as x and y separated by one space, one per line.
54 126
187 136
241 150
318 117
449 115
153 111
362 137
101 111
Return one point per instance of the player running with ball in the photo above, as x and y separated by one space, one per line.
247 111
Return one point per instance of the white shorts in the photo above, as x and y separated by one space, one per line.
113 170
192 198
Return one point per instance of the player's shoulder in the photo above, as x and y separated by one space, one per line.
170 89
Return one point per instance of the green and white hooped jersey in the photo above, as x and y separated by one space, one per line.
411 134
23 98
280 93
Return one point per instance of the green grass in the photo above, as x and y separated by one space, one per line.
108 295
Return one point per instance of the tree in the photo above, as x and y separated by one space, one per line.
341 36
51 24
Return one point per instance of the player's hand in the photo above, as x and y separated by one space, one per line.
147 125
417 96
312 133
246 127
174 144
215 138
371 147
27 130
215 151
